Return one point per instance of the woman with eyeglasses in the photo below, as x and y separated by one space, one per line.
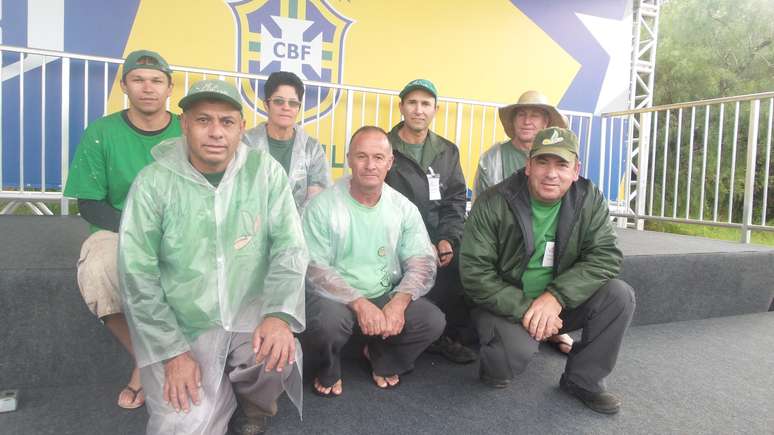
302 156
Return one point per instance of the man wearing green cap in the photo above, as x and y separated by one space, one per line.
521 122
539 258
211 269
111 152
427 171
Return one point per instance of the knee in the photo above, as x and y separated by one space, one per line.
621 294
436 322
428 317
328 325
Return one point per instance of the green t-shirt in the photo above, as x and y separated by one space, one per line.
513 159
362 257
282 151
214 178
414 151
365 246
109 156
536 277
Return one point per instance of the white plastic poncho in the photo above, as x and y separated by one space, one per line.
308 164
490 170
353 257
193 257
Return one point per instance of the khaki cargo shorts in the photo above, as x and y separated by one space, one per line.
98 273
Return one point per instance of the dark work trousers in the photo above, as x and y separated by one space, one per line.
507 348
447 294
330 325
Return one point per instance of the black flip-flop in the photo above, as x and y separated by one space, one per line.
319 393
134 397
388 387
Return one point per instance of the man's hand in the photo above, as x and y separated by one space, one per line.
394 314
369 316
273 343
445 253
182 378
542 318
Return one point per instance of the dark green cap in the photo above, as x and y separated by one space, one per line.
556 141
211 90
158 63
425 85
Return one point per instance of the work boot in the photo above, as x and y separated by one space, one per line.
602 402
452 350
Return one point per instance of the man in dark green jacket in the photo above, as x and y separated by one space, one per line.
427 171
539 258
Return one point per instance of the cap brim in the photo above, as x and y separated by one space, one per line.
561 152
190 99
555 119
414 88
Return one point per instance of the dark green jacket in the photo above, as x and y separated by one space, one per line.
498 244
444 218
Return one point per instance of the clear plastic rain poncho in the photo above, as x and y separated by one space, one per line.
308 164
490 169
193 257
352 256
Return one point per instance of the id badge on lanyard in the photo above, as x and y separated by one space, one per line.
434 185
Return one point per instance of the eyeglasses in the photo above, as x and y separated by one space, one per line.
279 101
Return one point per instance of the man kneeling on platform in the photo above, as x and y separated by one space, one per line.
539 258
371 260
211 265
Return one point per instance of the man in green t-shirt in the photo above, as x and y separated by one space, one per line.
539 258
521 122
427 171
111 152
370 263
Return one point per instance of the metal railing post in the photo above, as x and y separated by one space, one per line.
642 169
601 174
749 174
64 203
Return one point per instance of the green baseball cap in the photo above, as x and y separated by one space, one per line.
153 61
212 89
425 85
556 141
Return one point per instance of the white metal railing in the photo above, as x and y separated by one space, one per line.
704 162
57 94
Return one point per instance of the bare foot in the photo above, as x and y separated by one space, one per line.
335 389
385 381
563 342
132 396
381 381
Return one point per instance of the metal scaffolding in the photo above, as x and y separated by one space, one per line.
645 41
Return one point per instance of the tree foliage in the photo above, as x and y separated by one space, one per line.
710 49
714 48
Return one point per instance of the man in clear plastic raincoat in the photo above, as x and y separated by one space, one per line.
211 265
300 155
371 260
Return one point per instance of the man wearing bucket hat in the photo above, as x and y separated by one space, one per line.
427 171
521 122
211 268
539 258
112 150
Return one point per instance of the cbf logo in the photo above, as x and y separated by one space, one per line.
302 36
